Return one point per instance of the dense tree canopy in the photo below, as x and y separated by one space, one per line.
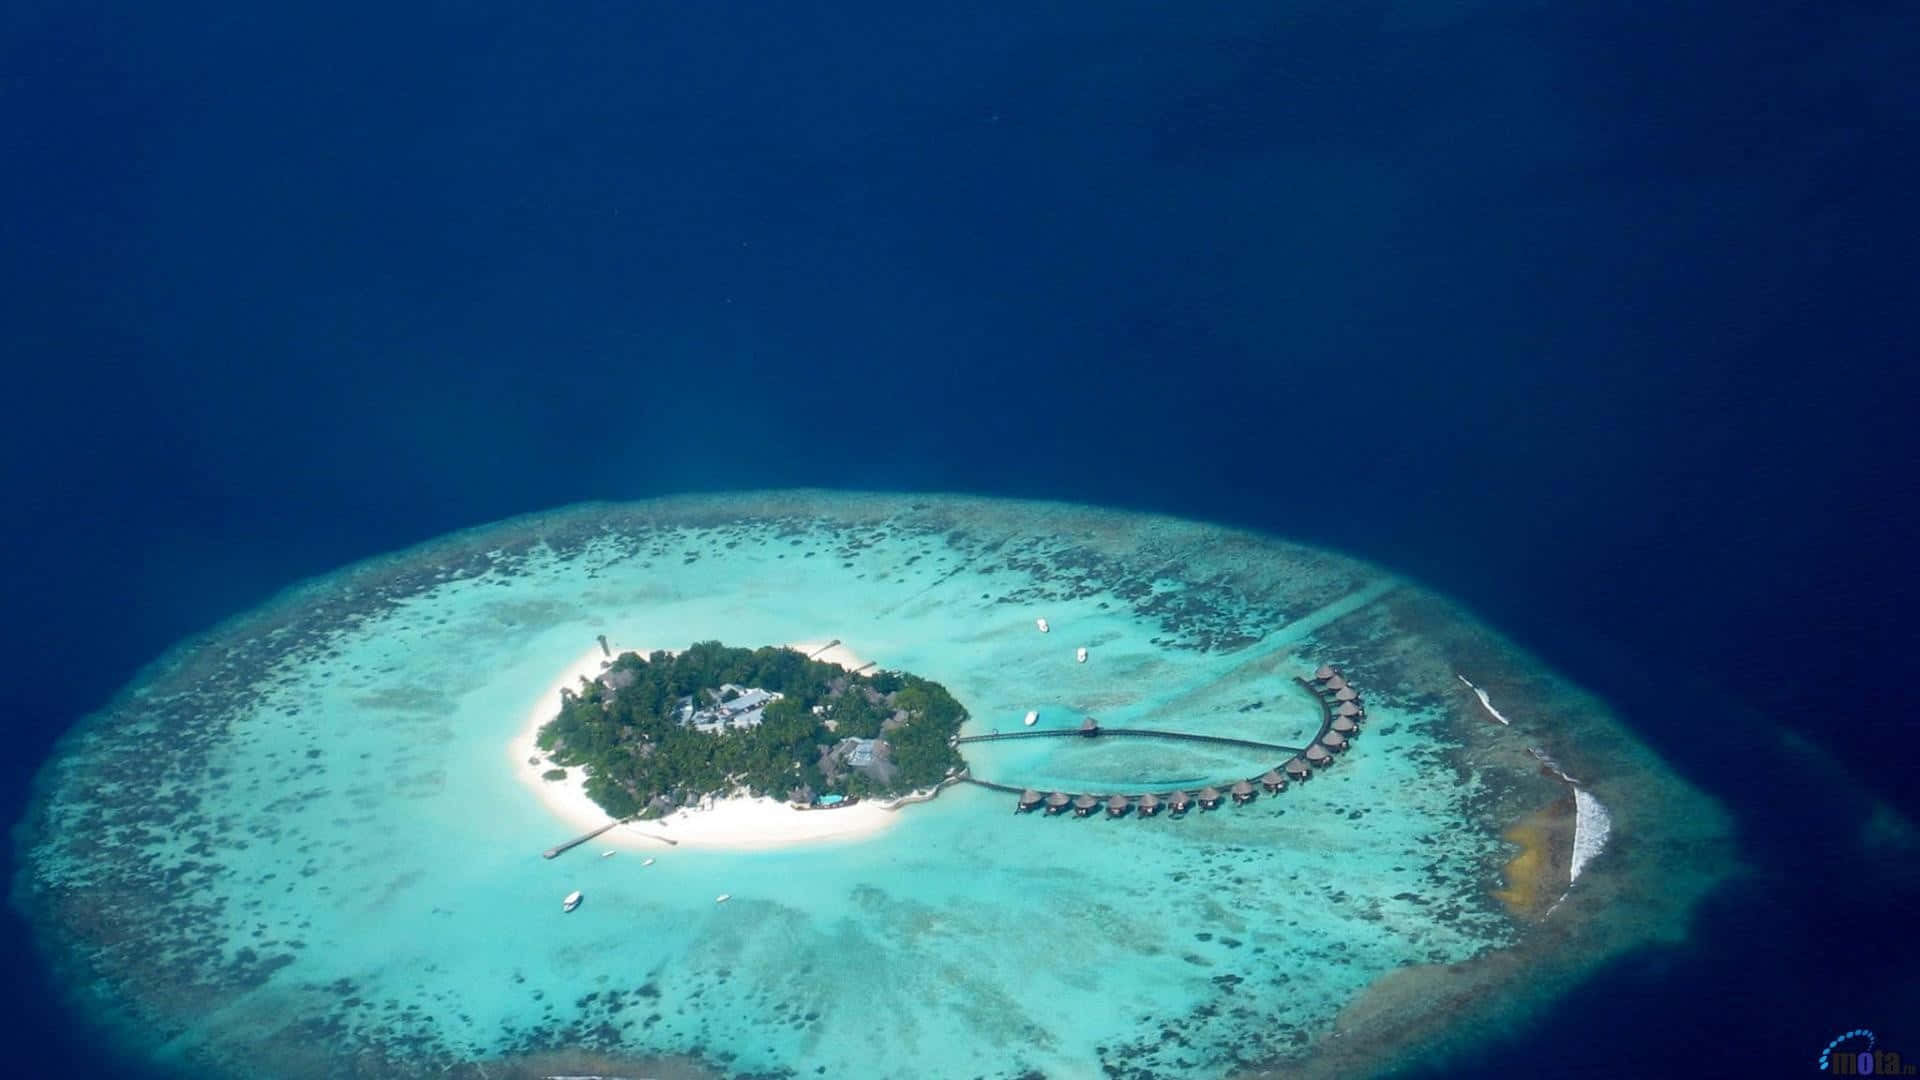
624 728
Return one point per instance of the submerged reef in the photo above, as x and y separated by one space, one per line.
294 847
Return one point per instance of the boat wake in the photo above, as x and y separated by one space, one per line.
1485 701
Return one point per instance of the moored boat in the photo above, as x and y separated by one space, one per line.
1042 624
1081 654
572 901
723 898
1032 715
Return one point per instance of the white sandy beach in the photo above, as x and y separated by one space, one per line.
736 824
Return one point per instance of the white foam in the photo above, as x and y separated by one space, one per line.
1591 824
1485 701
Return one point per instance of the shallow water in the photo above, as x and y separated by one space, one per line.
295 846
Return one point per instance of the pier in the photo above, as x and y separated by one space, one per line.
1138 733
1341 716
558 850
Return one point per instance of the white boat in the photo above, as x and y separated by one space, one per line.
1042 624
723 898
1081 654
606 854
648 861
1032 715
572 901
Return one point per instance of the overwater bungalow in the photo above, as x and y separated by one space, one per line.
1243 793
1333 685
1179 803
1325 672
1346 694
1333 740
1210 797
1297 769
1084 805
1350 710
1318 757
1028 800
1089 726
1056 802
1118 806
1344 725
1273 781
1149 804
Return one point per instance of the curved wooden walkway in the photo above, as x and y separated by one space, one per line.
1315 686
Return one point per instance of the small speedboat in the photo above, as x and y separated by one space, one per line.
723 898
606 854
572 901
1042 624
648 861
1032 715
1081 654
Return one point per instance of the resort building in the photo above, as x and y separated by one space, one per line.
739 707
1179 803
1297 769
1117 806
1210 798
1273 781
1243 793
1333 740
1318 757
1084 805
1149 804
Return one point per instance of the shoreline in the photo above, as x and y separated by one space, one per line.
736 823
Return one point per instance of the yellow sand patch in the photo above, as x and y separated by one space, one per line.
1524 871
1537 874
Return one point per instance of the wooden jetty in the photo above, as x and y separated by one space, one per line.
558 850
1341 717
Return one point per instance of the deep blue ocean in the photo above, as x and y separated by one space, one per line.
1600 318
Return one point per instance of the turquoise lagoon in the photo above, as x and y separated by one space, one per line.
295 847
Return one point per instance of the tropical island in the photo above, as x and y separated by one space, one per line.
668 730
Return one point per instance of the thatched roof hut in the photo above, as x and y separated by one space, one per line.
1089 726
1056 802
1209 797
1117 806
1297 769
1029 799
1273 781
1317 755
1243 792
1333 740
1179 801
1149 804
1084 805
1348 709
1335 684
1344 725
1347 694
1325 672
